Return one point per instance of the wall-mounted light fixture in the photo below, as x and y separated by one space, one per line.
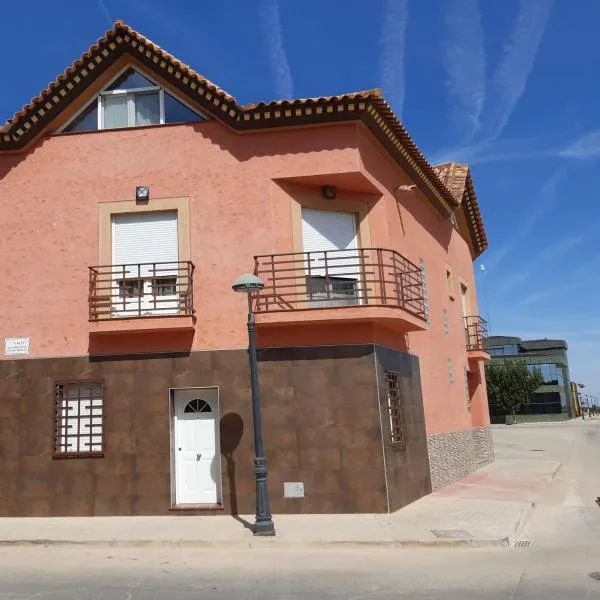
405 188
329 192
142 193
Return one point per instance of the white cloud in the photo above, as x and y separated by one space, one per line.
392 53
464 60
497 151
528 269
518 60
586 147
272 30
102 6
547 199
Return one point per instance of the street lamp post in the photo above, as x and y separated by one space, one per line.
263 524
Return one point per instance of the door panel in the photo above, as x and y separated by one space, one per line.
197 470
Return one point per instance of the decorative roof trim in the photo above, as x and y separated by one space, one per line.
458 180
368 106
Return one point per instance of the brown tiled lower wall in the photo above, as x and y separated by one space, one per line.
457 454
407 469
321 422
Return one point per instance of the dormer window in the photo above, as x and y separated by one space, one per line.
132 100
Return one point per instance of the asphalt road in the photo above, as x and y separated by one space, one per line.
565 550
101 574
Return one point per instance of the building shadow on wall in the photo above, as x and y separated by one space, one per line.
232 430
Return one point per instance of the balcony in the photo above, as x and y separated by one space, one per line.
141 297
476 332
366 284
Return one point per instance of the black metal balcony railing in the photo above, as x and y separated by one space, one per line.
339 278
141 290
476 331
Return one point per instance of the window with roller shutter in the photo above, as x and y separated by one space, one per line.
145 251
330 262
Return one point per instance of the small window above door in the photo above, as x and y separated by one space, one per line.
132 100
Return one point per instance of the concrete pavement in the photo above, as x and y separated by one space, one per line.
564 550
296 574
489 508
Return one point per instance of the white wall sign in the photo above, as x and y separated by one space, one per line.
293 489
18 345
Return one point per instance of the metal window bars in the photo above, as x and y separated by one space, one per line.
396 413
79 415
476 332
141 290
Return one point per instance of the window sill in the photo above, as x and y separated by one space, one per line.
69 455
196 508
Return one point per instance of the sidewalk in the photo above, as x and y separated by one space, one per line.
488 508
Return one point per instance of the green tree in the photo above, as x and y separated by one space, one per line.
510 385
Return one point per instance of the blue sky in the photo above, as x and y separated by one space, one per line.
510 86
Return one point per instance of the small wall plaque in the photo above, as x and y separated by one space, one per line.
18 345
293 489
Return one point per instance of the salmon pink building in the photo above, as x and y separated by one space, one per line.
133 192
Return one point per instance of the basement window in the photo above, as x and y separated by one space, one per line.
79 429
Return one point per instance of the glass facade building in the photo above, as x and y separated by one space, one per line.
549 358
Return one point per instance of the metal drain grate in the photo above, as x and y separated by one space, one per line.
595 575
523 544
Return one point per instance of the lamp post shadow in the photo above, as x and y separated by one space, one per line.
232 430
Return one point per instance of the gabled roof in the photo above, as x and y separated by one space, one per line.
457 179
367 106
454 176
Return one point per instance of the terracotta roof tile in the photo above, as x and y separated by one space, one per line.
363 95
442 184
454 177
118 28
457 178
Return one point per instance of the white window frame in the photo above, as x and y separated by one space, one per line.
130 102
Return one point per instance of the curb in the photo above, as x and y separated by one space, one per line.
503 542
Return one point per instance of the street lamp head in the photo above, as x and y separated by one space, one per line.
248 283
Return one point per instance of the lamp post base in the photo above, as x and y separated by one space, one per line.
264 528
263 524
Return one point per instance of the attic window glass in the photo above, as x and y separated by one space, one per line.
130 80
86 120
132 100
178 112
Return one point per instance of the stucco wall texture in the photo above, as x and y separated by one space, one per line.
239 208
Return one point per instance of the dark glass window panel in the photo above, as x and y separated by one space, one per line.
164 286
177 112
130 80
87 120
131 288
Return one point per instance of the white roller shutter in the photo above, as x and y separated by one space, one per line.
145 238
330 231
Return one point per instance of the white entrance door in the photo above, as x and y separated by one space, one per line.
332 263
145 267
197 467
